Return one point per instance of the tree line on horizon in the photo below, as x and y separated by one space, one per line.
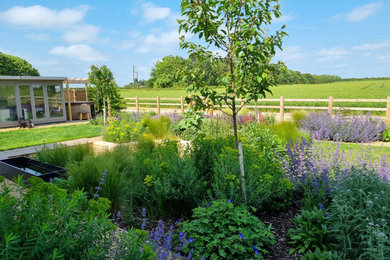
164 73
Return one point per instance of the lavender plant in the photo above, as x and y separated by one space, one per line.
315 170
358 129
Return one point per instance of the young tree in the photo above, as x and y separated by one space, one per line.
239 29
106 91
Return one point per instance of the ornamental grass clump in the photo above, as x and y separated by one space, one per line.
358 129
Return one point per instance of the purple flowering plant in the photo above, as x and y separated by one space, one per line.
358 128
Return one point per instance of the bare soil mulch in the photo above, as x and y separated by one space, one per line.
281 223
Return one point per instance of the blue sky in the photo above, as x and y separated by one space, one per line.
349 38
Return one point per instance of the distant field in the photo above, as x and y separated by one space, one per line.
342 89
365 89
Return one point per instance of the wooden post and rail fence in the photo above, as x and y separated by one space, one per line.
179 103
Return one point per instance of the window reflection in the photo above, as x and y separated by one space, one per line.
39 101
8 110
25 101
55 101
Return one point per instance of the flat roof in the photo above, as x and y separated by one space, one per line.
32 78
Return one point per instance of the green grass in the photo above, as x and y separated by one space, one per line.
342 89
365 89
29 137
375 151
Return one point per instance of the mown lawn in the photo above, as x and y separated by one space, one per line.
29 137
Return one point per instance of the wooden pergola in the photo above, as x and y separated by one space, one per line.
75 81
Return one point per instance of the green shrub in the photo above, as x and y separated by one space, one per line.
205 152
262 139
158 127
216 128
359 217
311 232
128 128
173 184
189 125
225 231
62 155
266 185
45 222
386 135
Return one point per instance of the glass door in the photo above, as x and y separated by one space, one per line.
8 112
26 102
54 96
39 101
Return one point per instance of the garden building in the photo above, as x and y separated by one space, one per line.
40 99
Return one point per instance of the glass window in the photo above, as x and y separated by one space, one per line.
25 101
55 101
8 110
39 100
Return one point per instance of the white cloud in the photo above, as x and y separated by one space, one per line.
40 17
332 54
67 21
284 18
385 44
159 43
152 12
39 36
363 12
81 33
80 52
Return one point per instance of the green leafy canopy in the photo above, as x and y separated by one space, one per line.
240 29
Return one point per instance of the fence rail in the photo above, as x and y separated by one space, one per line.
282 107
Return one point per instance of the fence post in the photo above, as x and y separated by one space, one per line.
281 109
74 95
388 111
330 106
182 104
211 109
158 105
137 104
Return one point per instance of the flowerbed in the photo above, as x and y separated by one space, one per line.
198 193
